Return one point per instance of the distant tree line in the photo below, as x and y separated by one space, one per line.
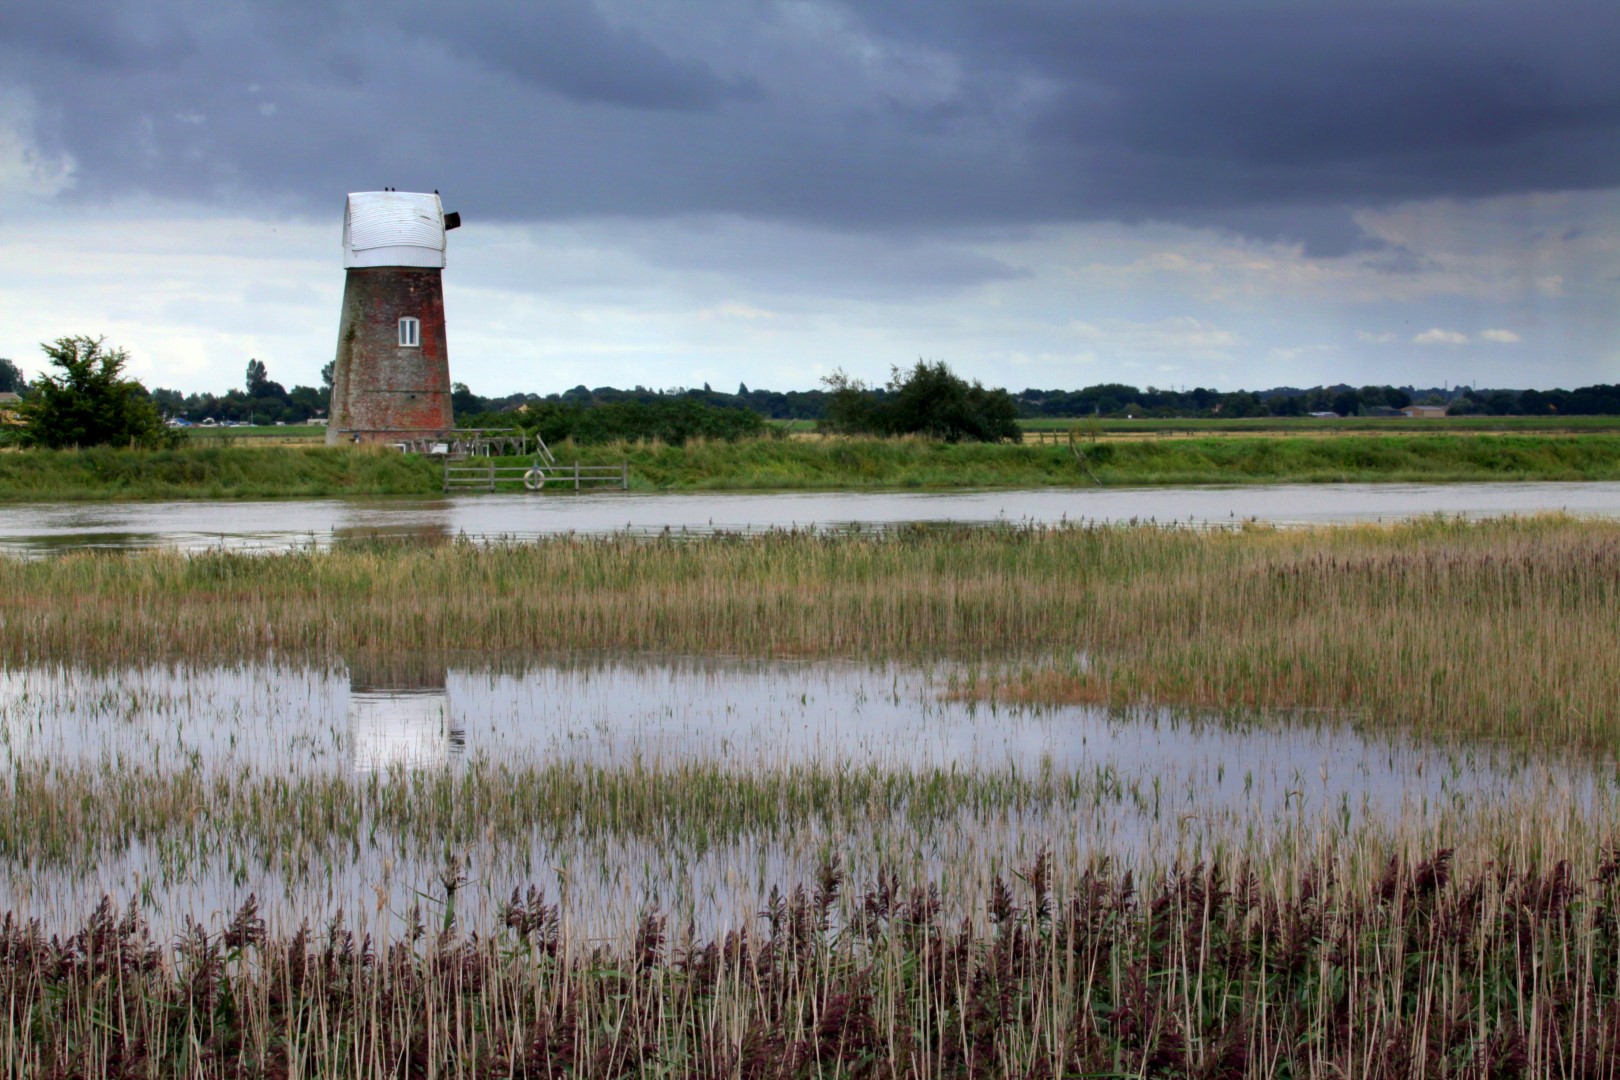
1110 400
261 400
926 398
671 420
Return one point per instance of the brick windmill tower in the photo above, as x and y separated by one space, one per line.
391 379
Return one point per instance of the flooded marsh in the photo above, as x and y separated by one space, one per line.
657 782
943 802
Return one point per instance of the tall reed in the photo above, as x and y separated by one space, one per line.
1205 970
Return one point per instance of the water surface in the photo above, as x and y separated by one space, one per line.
36 528
1140 782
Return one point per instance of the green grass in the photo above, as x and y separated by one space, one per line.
291 431
846 464
224 472
826 465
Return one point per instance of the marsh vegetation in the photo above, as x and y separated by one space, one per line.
1012 800
1501 629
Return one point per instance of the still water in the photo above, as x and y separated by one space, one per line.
38 528
1132 784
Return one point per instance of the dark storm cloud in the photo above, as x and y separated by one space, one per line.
569 47
1274 119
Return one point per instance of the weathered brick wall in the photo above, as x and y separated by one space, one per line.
381 390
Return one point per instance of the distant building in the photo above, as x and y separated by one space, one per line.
1425 412
1384 412
8 408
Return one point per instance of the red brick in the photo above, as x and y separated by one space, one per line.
382 392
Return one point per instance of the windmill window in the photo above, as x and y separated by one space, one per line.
410 332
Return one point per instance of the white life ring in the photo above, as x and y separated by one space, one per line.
534 479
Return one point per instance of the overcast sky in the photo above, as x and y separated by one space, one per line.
1049 193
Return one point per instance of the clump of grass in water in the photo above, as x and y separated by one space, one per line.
1203 970
73 817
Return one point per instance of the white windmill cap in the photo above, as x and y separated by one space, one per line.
393 228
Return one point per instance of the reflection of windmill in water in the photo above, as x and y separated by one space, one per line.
400 715
409 530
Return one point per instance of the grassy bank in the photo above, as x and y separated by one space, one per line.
1504 629
830 464
914 463
193 472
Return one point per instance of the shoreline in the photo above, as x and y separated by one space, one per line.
833 465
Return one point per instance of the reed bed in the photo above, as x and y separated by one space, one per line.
1503 629
1204 970
1447 910
704 839
72 818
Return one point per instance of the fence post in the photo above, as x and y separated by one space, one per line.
624 476
491 473
576 475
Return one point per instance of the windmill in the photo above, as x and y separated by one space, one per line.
391 377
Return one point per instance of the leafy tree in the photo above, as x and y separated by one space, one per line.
307 401
90 403
257 377
465 403
11 378
927 400
169 402
852 408
326 374
930 400
1288 406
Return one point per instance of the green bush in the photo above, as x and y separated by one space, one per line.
90 403
928 400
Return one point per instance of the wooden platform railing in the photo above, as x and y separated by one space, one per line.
466 476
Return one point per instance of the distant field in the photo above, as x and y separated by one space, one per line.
1294 426
260 435
1361 425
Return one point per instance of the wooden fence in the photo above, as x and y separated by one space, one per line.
465 475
